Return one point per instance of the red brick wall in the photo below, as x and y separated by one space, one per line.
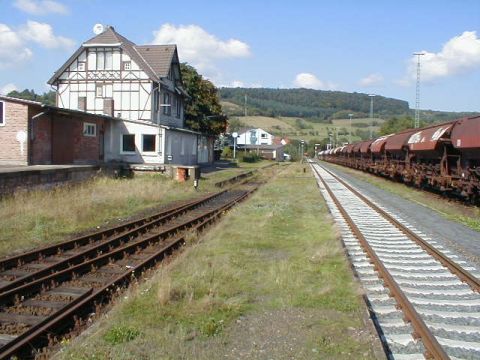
41 144
16 119
86 148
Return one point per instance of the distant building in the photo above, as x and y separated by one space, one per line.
254 137
141 86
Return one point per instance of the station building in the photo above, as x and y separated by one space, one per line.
116 102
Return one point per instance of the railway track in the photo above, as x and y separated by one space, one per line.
53 287
424 300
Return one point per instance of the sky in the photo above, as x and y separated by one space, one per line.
361 46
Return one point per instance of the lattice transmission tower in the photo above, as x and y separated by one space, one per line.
417 92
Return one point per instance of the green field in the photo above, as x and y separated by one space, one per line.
300 128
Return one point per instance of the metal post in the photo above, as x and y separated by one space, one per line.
417 93
371 115
234 147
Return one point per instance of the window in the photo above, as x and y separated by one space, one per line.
81 66
179 107
167 108
99 90
263 136
104 60
89 129
128 143
148 143
108 60
127 65
2 113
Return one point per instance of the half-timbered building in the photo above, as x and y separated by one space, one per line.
138 85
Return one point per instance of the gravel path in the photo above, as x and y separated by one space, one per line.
452 235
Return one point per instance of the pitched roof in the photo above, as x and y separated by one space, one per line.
154 60
159 57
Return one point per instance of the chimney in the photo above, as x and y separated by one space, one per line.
108 108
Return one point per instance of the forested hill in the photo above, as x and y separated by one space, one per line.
307 103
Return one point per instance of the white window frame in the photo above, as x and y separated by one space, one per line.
87 126
167 104
121 145
3 120
97 87
263 136
127 65
149 152
81 66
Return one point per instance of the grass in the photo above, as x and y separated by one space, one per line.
466 215
288 126
37 218
275 254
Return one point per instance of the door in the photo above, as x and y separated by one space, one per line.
62 141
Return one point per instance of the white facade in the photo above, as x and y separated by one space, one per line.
255 137
138 85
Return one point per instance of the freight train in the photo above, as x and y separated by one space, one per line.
444 157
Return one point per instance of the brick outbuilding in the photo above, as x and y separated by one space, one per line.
35 134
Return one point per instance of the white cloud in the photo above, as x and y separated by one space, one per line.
41 7
200 48
4 90
459 55
371 80
237 83
42 34
12 47
310 81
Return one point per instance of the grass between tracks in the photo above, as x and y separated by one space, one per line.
450 209
269 281
35 218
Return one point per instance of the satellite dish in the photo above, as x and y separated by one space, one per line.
98 29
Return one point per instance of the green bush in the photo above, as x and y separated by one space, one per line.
120 334
227 153
250 158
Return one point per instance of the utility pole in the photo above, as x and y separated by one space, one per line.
417 92
371 115
350 133
245 106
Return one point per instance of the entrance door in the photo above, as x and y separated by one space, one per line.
62 141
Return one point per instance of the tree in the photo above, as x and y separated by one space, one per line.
394 125
48 98
203 111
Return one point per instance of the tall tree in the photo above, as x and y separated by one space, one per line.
203 111
47 98
396 124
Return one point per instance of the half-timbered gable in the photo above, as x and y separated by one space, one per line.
111 75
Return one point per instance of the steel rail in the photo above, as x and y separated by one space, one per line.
63 275
433 348
456 269
141 225
48 250
61 318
